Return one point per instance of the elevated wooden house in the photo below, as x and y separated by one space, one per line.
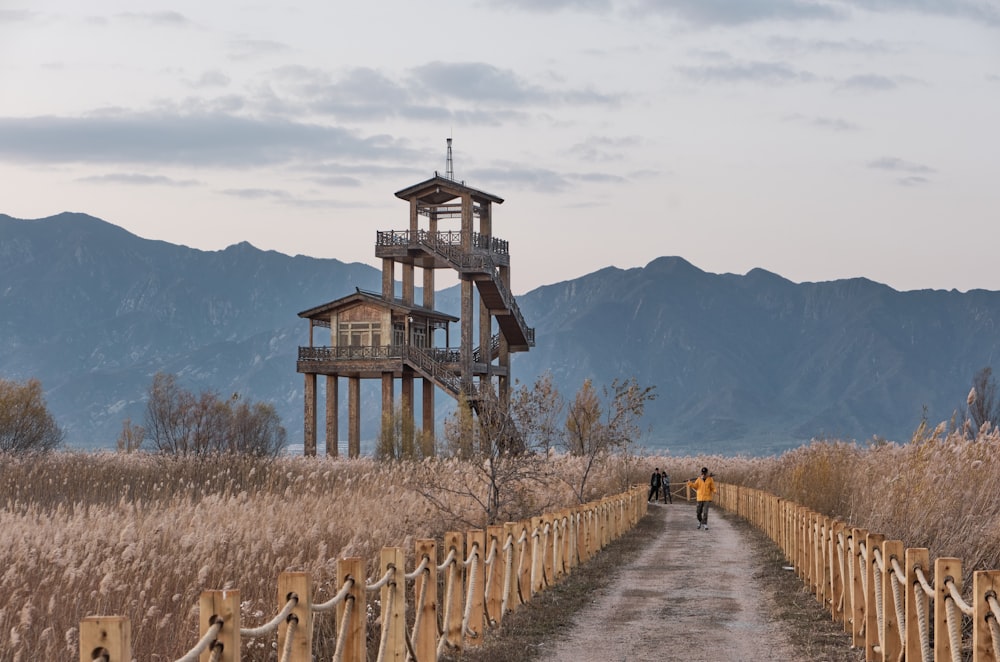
377 335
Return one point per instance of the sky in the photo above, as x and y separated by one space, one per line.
818 140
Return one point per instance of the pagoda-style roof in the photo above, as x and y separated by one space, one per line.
321 314
438 190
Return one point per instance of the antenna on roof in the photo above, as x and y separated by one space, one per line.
450 165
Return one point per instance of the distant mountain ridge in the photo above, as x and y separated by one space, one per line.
742 364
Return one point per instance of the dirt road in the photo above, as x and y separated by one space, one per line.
690 595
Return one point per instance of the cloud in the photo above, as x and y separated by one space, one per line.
550 6
16 16
737 12
796 46
477 81
604 148
247 49
976 10
869 83
914 172
211 78
137 179
773 73
194 140
170 19
827 123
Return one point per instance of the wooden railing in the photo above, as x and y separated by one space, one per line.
893 601
482 576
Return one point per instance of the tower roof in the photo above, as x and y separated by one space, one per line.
438 190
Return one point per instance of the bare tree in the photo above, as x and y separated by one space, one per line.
982 400
178 422
595 429
25 422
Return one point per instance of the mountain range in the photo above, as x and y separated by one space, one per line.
751 364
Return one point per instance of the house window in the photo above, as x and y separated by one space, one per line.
359 334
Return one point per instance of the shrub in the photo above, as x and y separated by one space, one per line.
25 421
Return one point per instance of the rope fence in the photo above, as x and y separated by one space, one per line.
892 600
485 575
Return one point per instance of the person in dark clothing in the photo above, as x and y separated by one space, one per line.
654 485
665 486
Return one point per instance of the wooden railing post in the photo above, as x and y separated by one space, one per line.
836 570
984 583
524 559
892 641
394 592
224 605
355 633
425 637
916 558
859 603
477 550
106 634
298 584
494 589
872 573
454 540
944 569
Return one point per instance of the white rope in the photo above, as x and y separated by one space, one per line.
957 597
338 653
508 566
207 640
383 643
448 592
898 600
954 632
271 625
991 600
424 564
418 614
447 561
473 575
924 584
879 601
382 582
286 654
337 599
923 624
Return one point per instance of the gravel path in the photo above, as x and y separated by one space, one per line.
690 595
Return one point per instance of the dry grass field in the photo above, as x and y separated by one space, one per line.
141 535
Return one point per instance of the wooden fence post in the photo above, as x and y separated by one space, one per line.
836 570
425 637
859 602
872 573
494 589
944 569
455 602
224 605
892 640
357 624
110 634
299 584
477 550
916 558
984 583
393 620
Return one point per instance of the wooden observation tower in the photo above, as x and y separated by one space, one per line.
377 335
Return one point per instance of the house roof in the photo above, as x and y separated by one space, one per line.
321 312
438 190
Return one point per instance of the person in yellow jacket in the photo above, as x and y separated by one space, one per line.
704 486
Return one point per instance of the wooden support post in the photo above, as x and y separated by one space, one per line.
916 558
309 415
298 584
859 604
984 583
494 589
224 605
944 569
394 593
848 612
106 634
355 633
455 602
425 637
476 544
353 417
332 416
892 639
873 575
